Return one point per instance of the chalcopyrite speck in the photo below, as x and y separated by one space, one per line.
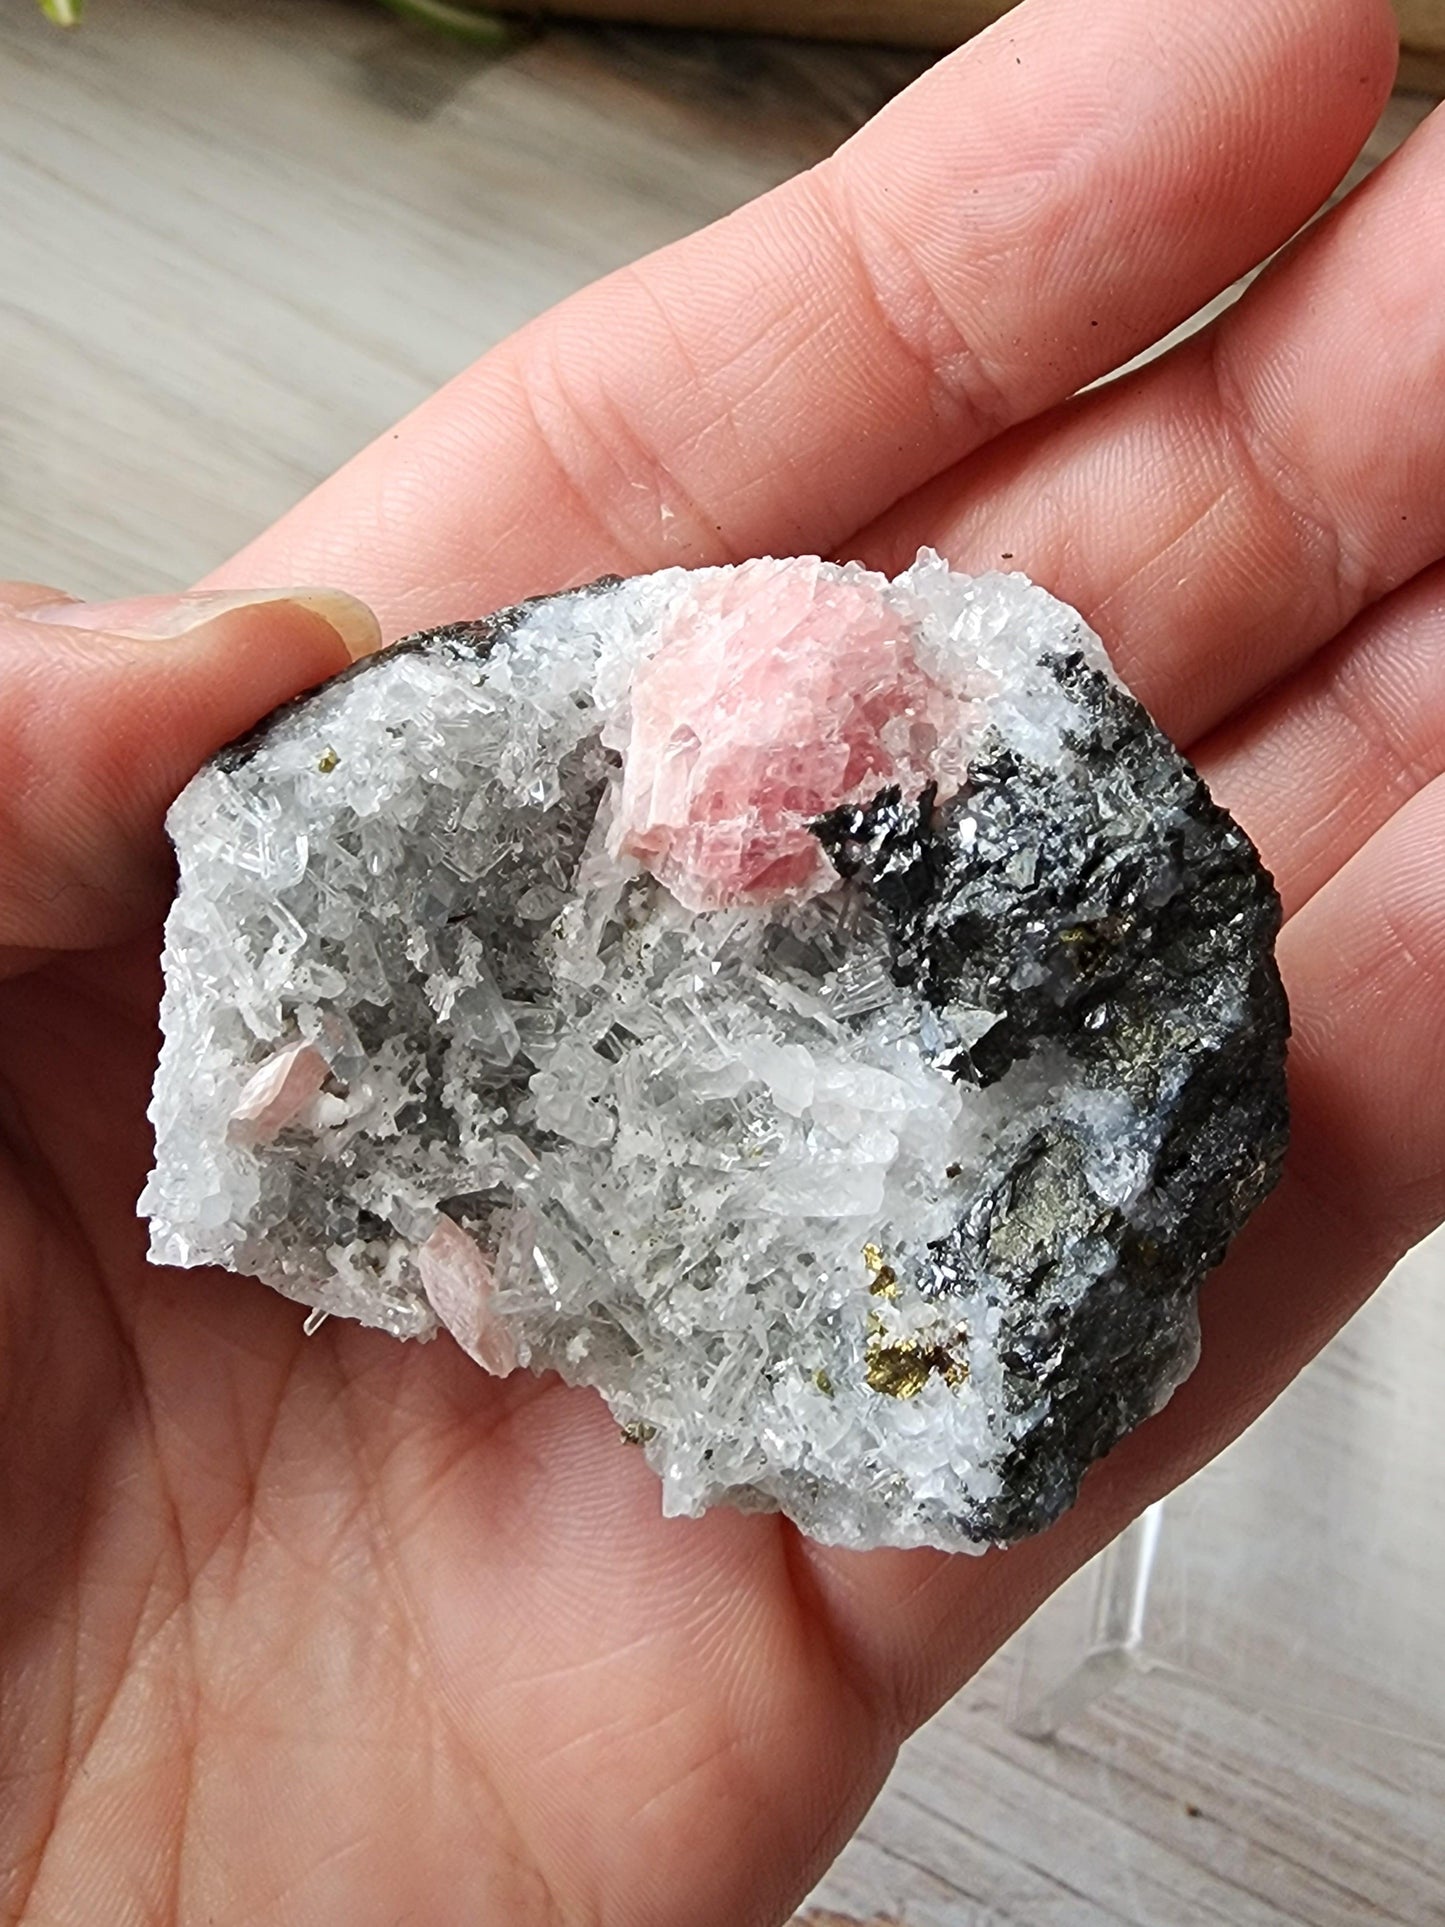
823 1013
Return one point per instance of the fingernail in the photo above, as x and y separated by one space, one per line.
167 618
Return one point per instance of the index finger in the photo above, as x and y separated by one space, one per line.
1035 210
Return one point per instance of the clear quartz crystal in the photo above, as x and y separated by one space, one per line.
489 1000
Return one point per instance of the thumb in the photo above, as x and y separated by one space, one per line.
107 710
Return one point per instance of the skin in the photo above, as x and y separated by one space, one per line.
333 1629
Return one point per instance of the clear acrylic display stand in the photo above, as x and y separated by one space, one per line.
1292 1595
1085 1643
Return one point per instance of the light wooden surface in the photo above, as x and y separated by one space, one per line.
241 237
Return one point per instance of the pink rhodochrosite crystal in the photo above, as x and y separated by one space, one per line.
277 1093
457 1279
778 691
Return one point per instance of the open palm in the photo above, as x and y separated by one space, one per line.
333 1629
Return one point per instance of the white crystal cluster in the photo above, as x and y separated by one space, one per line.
436 1052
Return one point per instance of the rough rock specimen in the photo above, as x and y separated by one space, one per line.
823 1013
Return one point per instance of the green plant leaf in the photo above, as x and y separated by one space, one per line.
466 23
452 16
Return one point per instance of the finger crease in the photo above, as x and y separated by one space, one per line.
604 451
1406 772
1281 482
912 314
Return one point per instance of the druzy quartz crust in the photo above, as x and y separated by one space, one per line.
822 1013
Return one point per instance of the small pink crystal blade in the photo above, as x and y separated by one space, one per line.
458 1283
276 1094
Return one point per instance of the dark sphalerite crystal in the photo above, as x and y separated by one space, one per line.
1168 994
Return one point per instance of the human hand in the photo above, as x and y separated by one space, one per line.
339 1630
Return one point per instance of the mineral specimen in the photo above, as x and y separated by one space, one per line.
822 1013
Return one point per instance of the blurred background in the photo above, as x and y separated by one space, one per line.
242 237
